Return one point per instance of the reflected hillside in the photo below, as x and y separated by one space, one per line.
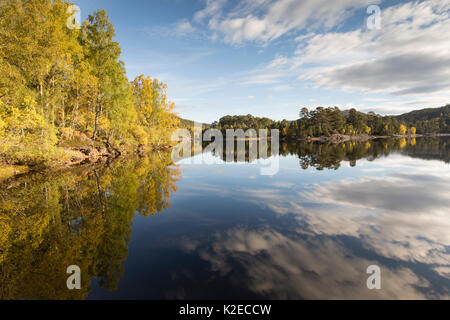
329 155
80 217
429 149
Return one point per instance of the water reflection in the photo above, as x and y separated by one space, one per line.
398 221
81 217
330 155
277 265
227 232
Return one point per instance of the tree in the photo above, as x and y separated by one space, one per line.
154 110
36 56
57 220
102 53
58 85
403 129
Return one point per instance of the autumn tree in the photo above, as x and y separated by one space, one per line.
155 112
59 84
403 129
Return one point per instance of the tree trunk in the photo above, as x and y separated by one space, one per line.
63 114
94 135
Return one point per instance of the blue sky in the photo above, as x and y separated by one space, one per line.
272 57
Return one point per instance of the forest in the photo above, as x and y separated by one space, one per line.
65 90
328 121
431 120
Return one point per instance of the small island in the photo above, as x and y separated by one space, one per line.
334 125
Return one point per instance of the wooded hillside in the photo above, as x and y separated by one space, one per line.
62 87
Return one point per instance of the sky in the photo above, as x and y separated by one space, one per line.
270 58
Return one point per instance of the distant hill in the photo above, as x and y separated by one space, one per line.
345 113
422 114
426 114
431 120
184 123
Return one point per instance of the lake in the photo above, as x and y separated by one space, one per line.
145 228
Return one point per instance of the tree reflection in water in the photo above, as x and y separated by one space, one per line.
81 217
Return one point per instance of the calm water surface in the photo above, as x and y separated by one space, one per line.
145 228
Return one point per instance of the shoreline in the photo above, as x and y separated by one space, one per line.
340 138
92 154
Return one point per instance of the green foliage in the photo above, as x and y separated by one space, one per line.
155 111
433 120
244 122
54 80
329 121
323 156
83 217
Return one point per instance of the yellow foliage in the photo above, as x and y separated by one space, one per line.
403 129
403 143
59 219
55 81
154 109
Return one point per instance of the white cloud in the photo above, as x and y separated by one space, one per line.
278 62
282 88
409 56
265 21
212 7
408 59
184 27
406 63
181 29
261 78
407 74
